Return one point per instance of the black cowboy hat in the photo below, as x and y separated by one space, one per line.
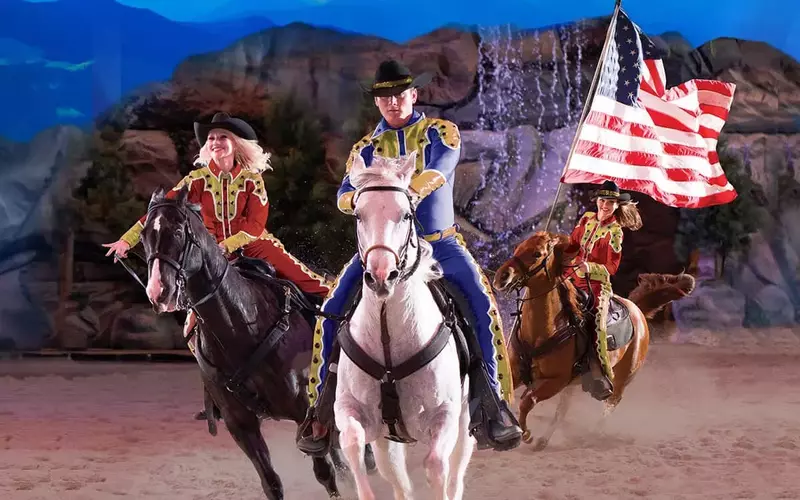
392 78
609 189
226 122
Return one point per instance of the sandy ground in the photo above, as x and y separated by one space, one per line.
711 416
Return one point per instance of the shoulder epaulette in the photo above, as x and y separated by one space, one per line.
356 150
616 237
448 132
259 189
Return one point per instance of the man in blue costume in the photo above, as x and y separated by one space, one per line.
438 146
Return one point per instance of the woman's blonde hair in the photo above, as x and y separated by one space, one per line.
248 154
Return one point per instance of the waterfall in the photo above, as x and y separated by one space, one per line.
521 89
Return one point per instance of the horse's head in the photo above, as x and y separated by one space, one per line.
538 257
168 236
385 220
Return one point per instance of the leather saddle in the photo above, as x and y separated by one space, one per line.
619 327
262 271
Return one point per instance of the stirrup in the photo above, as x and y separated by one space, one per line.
305 437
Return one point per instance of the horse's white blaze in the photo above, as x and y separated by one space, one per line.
157 223
154 286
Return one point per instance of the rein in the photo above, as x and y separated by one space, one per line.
530 353
401 256
183 277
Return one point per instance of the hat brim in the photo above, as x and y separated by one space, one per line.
201 130
419 81
620 197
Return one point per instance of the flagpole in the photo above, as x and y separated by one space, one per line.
586 104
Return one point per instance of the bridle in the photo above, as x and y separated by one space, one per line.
190 242
401 256
528 272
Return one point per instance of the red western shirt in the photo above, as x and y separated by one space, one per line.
599 244
234 205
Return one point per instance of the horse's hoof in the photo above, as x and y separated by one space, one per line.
541 444
526 437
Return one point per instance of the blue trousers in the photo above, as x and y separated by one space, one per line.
460 270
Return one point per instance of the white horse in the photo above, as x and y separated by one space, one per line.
398 265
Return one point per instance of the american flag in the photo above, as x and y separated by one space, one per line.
646 138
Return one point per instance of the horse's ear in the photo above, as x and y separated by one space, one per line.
557 242
157 195
183 193
407 167
357 165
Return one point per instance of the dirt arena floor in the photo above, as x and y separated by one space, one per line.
711 416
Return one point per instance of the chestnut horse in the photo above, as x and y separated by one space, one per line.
549 347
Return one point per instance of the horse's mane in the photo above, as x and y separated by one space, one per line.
556 269
383 170
429 268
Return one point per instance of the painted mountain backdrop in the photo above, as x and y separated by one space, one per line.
65 62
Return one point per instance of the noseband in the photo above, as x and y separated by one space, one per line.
530 272
401 257
183 277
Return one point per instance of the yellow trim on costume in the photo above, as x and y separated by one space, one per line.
189 178
448 132
601 340
345 202
315 370
387 144
132 235
616 237
598 272
496 325
427 182
393 83
356 150
416 139
266 235
440 235
238 240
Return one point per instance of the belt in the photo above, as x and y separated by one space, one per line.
440 235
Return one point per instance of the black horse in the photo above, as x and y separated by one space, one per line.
254 332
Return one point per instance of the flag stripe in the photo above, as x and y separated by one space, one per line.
687 168
699 200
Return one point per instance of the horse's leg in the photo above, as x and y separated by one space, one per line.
326 475
246 431
630 360
542 390
353 441
390 457
369 460
461 457
560 413
444 436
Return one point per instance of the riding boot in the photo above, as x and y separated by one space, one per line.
491 421
601 371
313 435
601 388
